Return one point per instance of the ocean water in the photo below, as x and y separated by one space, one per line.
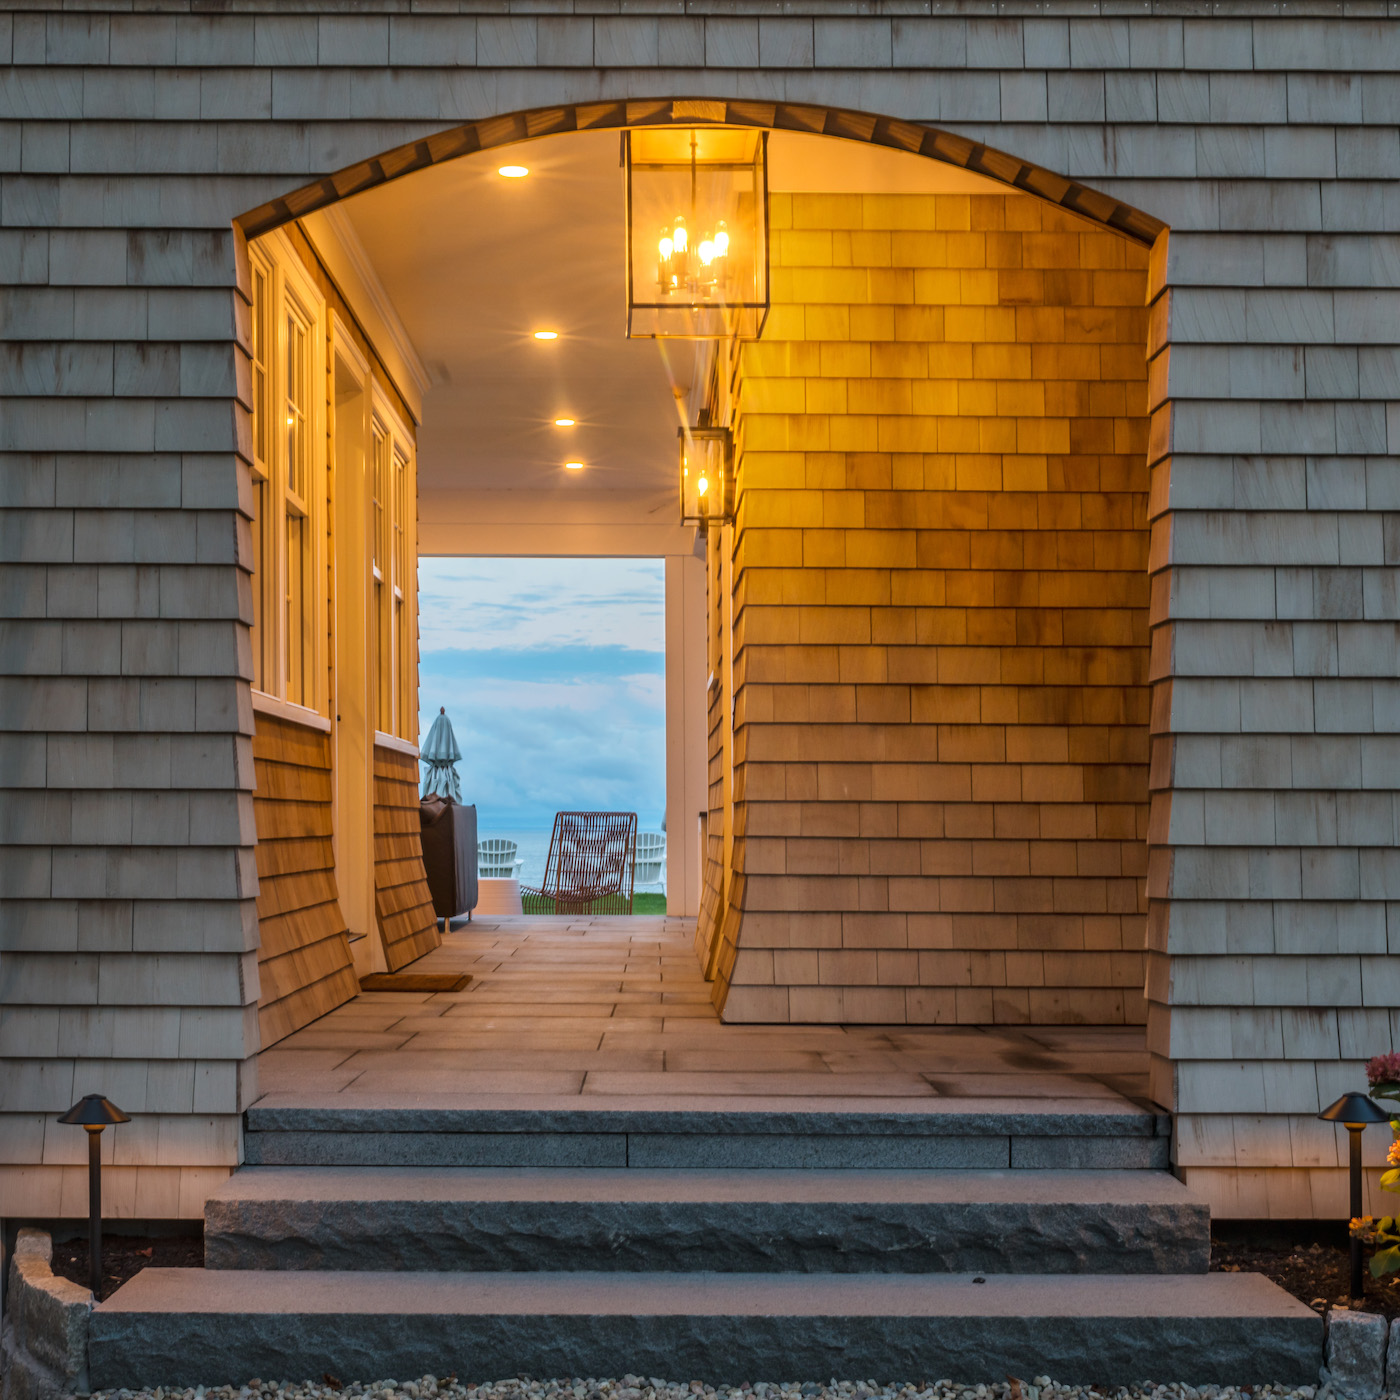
533 848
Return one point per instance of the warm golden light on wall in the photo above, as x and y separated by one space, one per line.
514 172
564 422
546 335
573 466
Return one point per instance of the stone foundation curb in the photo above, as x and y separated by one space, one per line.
1355 1354
1392 1359
44 1341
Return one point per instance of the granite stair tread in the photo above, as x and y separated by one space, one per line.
187 1326
369 1184
769 1133
408 1112
809 1222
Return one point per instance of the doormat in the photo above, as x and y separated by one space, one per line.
415 982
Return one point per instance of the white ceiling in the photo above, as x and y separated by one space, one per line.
473 263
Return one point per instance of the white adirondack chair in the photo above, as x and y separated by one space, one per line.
651 857
495 859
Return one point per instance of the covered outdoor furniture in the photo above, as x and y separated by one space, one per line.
449 855
439 755
496 860
651 857
590 868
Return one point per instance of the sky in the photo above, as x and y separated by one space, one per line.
553 675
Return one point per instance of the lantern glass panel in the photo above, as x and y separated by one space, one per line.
704 475
697 232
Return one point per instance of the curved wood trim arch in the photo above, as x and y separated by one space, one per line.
911 137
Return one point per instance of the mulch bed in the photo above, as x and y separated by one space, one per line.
124 1256
1311 1260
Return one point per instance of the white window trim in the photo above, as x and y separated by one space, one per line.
288 279
403 649
265 704
392 741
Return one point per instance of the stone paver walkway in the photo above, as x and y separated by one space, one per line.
614 1010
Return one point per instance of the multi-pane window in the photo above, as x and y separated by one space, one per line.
300 620
289 482
264 551
291 543
381 625
403 638
392 573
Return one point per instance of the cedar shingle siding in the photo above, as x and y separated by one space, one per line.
403 905
941 618
129 144
304 964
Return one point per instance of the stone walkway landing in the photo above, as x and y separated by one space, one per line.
614 1011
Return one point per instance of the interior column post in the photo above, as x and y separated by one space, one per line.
686 795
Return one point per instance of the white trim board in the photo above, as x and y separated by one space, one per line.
393 742
265 704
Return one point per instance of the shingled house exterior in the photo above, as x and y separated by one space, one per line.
1059 625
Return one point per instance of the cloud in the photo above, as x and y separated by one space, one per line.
553 674
520 604
561 664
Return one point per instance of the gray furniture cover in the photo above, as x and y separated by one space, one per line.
449 855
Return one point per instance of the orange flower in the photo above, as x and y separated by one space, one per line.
1393 1155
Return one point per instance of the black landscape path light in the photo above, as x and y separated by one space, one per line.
94 1113
1355 1111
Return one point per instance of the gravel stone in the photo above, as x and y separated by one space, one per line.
652 1388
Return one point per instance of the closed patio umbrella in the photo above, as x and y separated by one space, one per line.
440 753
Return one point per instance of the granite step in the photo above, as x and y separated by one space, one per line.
806 1222
771 1134
186 1327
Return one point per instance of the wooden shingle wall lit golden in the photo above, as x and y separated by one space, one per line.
941 619
304 964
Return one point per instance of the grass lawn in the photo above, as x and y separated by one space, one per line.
649 903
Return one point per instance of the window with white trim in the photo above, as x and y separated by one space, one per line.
402 584
381 632
393 574
289 478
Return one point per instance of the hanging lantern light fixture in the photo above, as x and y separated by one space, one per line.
697 232
706 479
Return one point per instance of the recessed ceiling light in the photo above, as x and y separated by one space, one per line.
514 172
563 422
546 335
573 466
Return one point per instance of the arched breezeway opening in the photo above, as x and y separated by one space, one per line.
911 138
926 662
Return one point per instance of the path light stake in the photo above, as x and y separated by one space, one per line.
1355 1111
94 1113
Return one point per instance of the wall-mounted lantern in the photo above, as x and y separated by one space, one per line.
706 475
697 232
1354 1112
93 1112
